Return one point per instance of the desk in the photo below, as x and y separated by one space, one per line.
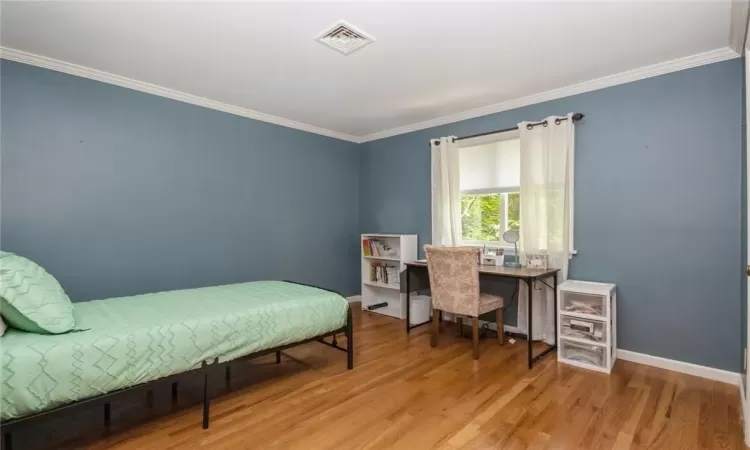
526 275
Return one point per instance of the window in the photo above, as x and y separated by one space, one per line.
484 217
490 171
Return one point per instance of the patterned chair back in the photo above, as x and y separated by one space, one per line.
454 278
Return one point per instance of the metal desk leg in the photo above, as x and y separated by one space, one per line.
553 347
408 302
529 324
555 304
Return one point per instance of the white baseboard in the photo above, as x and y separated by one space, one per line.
354 299
710 373
744 411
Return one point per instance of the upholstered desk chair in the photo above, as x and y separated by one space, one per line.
454 284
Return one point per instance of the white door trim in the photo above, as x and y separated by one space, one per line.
744 386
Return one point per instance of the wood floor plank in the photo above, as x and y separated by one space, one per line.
405 394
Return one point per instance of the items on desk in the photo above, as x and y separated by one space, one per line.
536 260
492 257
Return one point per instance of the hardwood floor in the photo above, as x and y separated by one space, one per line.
405 394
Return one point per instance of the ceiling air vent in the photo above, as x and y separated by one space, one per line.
344 38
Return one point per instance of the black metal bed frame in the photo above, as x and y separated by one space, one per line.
207 367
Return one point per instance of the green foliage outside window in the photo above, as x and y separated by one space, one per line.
481 216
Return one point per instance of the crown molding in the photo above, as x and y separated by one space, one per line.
699 59
674 65
110 78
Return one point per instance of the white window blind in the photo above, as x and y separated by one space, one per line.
490 167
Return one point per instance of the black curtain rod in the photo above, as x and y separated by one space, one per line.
576 118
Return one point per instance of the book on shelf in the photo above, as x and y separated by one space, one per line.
366 247
376 247
384 273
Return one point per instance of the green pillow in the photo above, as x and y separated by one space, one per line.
31 299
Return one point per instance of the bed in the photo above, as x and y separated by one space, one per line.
131 341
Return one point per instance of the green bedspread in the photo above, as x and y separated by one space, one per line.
132 340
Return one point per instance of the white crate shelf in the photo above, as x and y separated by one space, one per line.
403 248
587 336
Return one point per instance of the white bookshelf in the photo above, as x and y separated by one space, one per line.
587 325
403 248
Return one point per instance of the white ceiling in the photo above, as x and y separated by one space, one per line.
430 59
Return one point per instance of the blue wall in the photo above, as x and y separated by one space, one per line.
658 194
118 192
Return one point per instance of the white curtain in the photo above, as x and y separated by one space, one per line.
446 194
546 212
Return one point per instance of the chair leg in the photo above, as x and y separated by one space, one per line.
475 336
435 327
500 326
460 326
